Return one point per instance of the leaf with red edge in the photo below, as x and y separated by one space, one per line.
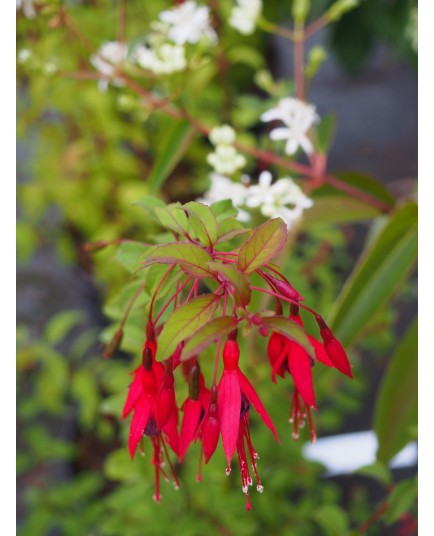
185 322
229 404
202 221
238 280
249 391
301 372
209 333
192 258
265 243
142 410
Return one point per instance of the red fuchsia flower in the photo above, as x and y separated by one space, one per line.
194 407
233 387
142 401
334 348
244 439
286 355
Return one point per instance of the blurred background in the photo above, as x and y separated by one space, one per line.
85 156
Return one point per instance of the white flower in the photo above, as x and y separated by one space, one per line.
165 59
223 135
27 7
24 54
224 188
226 160
298 118
245 15
110 55
188 23
283 199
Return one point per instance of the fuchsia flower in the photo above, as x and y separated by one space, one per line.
232 387
142 401
194 408
194 324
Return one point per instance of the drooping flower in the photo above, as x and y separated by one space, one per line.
245 15
194 408
142 401
243 440
163 59
233 385
188 23
298 117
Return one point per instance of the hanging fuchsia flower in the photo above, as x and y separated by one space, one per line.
233 385
142 401
198 321
194 408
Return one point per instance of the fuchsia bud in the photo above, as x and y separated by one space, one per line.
211 426
284 288
334 348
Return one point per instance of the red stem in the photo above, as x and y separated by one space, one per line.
171 299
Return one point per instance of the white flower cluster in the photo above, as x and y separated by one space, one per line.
107 60
225 159
245 15
165 53
283 199
163 59
298 117
187 23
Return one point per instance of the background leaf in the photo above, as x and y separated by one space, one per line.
172 149
396 404
383 266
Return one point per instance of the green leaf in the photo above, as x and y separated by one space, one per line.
246 55
338 209
379 471
383 266
193 259
149 202
223 209
203 222
209 333
60 324
396 404
129 253
400 500
289 328
172 149
238 280
185 322
264 243
369 185
230 228
332 519
172 217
